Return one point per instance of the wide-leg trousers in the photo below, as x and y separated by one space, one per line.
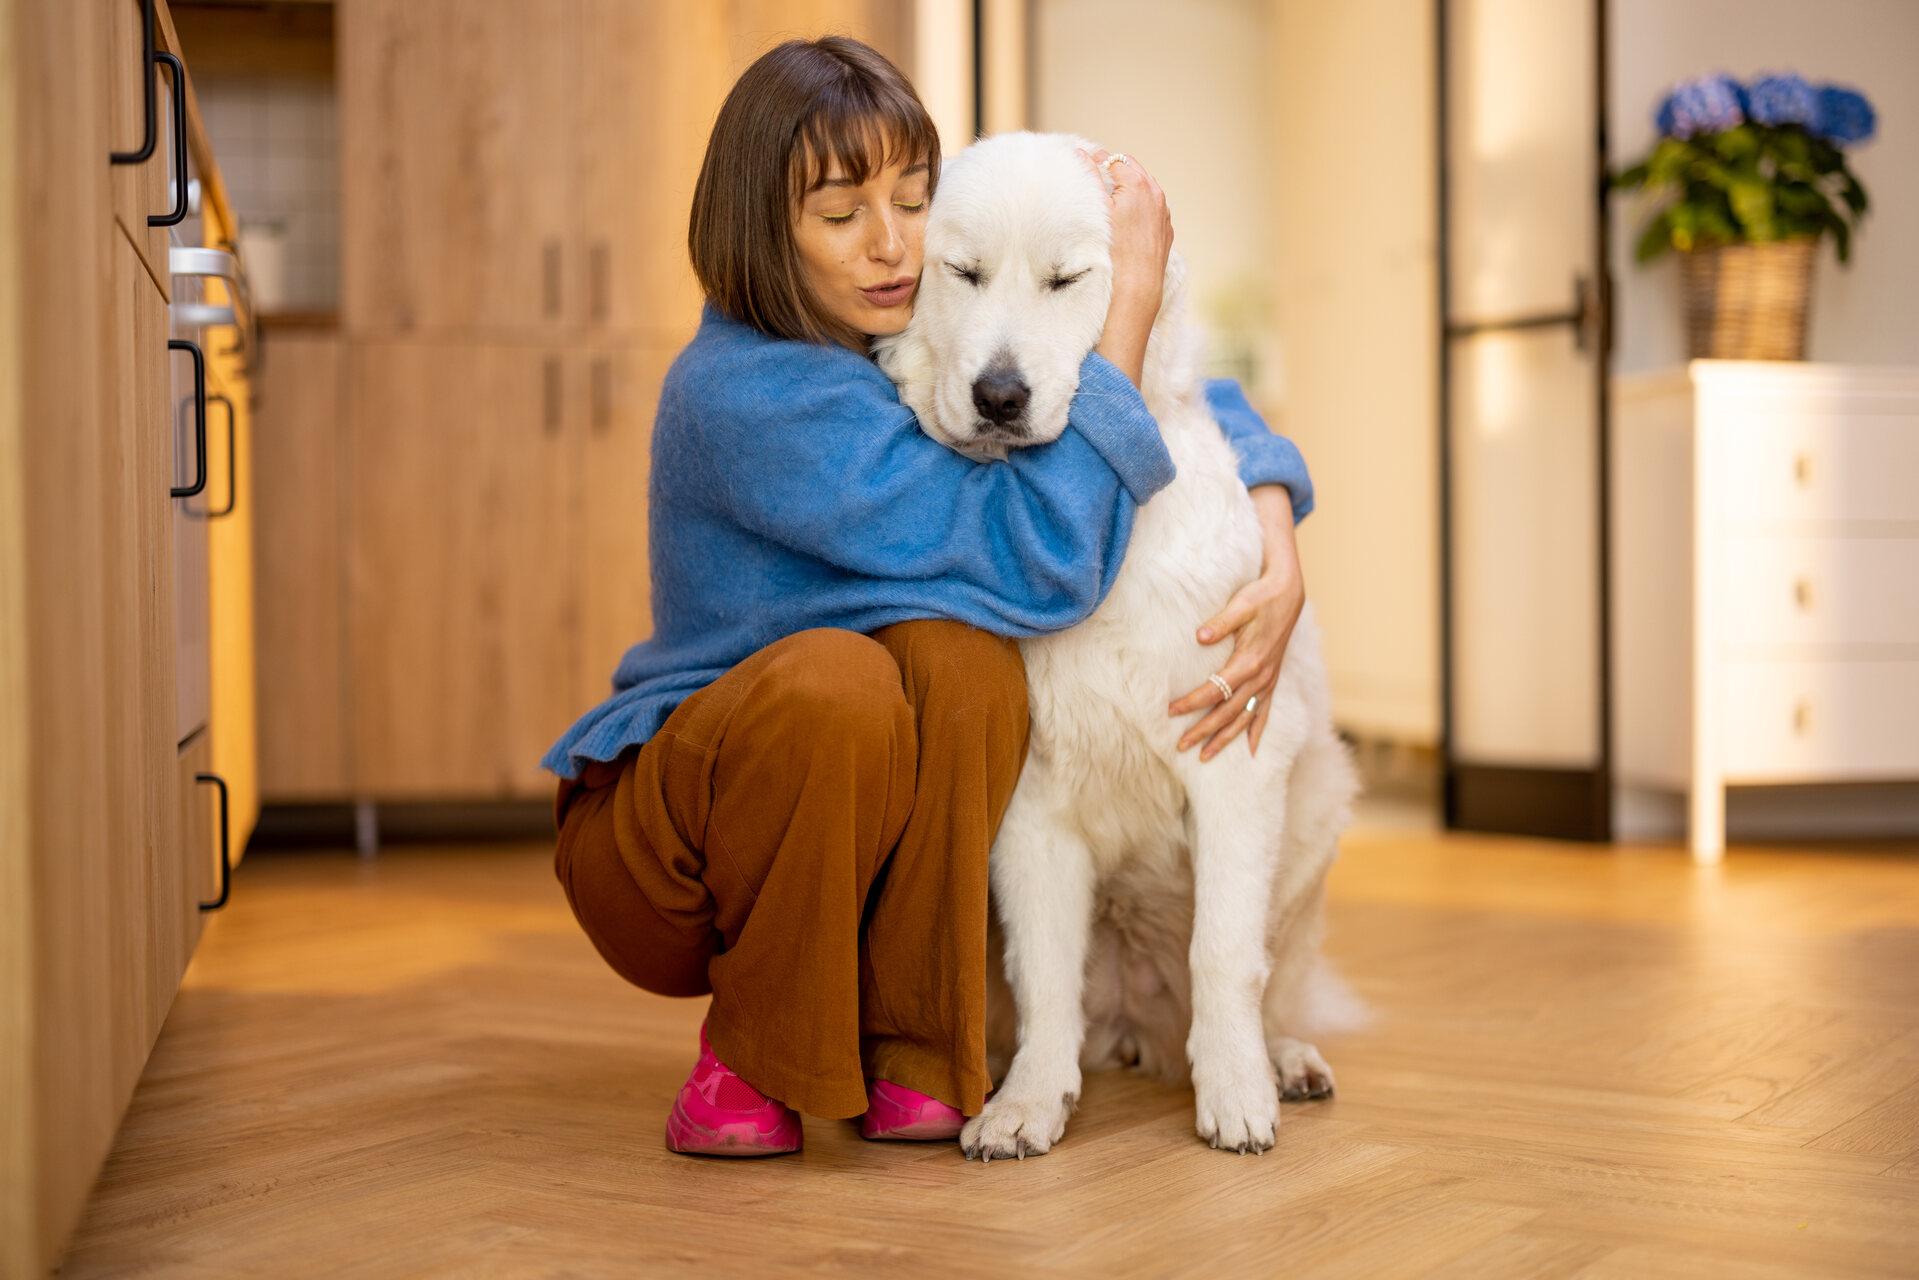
806 839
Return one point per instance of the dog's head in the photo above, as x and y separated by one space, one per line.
1013 295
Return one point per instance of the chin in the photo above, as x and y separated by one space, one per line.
884 322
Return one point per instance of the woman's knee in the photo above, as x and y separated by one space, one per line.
830 684
957 665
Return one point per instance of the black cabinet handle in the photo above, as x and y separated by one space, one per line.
199 416
179 211
226 844
146 73
233 459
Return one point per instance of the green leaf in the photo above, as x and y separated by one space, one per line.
1633 177
1752 204
1842 238
1656 238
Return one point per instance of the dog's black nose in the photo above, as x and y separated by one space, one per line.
1000 395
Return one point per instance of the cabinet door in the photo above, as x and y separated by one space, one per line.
300 551
453 123
146 187
623 389
461 502
649 79
229 505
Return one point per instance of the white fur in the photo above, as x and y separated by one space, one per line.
1155 910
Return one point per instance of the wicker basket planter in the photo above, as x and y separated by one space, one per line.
1748 301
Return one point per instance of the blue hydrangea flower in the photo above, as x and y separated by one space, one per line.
1706 104
1782 99
1844 115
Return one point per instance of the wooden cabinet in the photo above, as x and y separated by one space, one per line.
107 842
461 493
299 486
455 196
139 190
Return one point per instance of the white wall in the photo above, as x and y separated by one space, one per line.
1865 313
1179 84
1351 95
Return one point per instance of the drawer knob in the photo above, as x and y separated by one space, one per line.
1801 717
1802 468
1802 594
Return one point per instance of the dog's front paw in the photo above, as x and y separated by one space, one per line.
1237 1109
1302 1072
1014 1127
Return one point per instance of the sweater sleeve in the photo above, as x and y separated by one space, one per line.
826 462
1264 458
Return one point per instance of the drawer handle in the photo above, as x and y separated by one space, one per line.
551 408
1802 469
597 258
233 459
178 213
602 395
1801 717
199 416
1802 594
226 846
550 279
145 150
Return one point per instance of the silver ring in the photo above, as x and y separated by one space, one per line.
1251 703
1219 683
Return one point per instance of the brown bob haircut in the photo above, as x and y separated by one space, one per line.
800 107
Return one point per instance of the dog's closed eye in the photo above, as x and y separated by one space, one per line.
972 275
1059 279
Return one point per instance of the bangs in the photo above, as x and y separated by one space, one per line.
864 127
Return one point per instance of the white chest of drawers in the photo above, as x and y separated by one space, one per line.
1765 579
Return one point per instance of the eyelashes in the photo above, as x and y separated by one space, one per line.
1054 283
842 219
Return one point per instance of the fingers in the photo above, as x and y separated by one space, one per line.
1260 717
1237 613
1226 721
1240 672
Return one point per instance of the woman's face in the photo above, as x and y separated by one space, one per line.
860 246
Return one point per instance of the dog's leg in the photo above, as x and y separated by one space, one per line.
1042 876
1238 821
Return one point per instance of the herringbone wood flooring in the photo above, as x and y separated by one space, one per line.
1584 1062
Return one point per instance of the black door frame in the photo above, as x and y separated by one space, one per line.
1568 804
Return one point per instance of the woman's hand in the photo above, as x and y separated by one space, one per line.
1260 618
1142 239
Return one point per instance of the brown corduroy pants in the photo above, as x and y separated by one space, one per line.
806 839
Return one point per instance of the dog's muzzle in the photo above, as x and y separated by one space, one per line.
1000 395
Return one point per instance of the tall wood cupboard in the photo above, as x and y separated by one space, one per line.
125 610
515 183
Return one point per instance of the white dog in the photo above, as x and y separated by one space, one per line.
1155 910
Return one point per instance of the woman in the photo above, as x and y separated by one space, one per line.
788 799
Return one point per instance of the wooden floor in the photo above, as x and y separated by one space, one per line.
1583 1062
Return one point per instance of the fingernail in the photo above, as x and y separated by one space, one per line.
1205 634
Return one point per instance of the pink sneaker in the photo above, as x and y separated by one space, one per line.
719 1114
895 1111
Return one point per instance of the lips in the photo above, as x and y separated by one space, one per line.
892 293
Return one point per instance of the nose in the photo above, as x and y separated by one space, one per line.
888 245
1000 395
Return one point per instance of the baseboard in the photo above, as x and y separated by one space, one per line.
1833 811
332 825
1553 804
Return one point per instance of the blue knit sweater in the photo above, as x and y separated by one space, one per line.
791 489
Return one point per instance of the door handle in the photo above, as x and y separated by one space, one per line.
178 213
226 844
1583 317
144 151
199 416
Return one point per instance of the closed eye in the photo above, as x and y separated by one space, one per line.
971 275
1059 279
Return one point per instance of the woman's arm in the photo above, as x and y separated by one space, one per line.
810 449
1264 458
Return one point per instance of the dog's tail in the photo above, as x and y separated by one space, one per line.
1328 1006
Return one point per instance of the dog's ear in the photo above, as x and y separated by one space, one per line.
907 359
